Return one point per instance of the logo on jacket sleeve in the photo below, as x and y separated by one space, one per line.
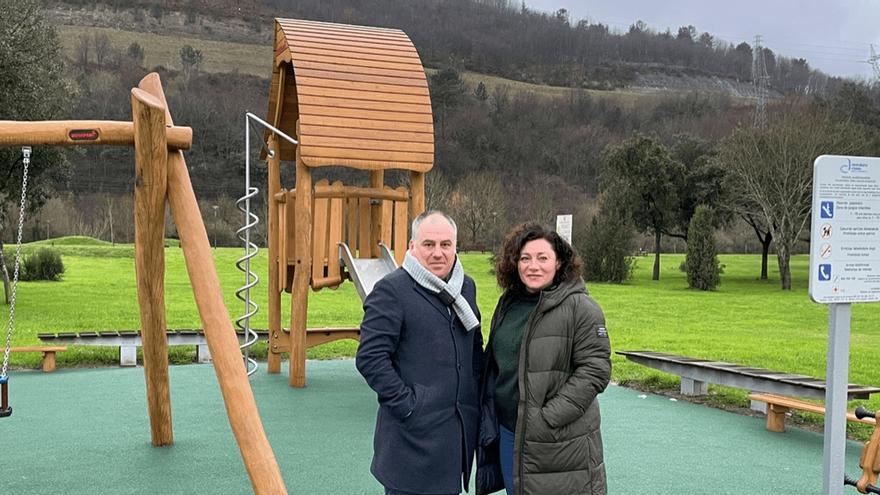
601 331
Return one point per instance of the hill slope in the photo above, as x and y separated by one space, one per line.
231 44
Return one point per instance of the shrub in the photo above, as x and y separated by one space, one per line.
44 264
606 247
701 263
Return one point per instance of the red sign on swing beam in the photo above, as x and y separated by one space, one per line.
83 135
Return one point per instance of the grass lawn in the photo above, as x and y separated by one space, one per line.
745 321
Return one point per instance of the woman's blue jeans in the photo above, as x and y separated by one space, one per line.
507 458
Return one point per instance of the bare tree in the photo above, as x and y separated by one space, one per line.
102 49
740 204
475 203
438 190
110 217
774 170
764 235
190 63
5 273
82 52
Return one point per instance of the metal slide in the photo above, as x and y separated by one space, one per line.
365 272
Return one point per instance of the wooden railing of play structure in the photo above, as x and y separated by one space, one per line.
343 214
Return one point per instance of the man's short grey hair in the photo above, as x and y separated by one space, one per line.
422 216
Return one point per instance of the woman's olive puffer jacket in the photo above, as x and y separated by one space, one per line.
564 363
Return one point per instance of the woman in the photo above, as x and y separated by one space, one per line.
548 357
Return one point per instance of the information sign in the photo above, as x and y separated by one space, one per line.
845 233
563 227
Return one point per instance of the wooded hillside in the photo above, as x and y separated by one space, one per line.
525 103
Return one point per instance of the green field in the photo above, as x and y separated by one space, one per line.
745 321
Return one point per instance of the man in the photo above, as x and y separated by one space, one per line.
420 351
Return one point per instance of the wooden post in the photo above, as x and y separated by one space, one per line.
151 162
277 245
275 331
377 180
48 361
299 297
232 377
776 417
417 201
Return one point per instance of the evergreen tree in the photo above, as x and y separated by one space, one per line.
703 268
31 88
447 91
643 179
606 247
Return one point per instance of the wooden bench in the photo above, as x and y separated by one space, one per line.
696 375
48 353
778 406
129 340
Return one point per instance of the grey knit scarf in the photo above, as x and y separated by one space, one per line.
448 292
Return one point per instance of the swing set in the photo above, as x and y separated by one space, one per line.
161 175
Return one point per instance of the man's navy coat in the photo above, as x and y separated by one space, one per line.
425 367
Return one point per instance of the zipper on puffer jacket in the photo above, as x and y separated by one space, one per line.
524 351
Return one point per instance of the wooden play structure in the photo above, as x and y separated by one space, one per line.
161 175
353 97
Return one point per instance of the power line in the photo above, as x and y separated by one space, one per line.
843 51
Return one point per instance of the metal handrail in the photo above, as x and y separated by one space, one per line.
243 293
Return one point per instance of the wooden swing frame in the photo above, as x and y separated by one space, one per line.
161 175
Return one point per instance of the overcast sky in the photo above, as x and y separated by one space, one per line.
833 35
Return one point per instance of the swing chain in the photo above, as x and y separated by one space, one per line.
26 160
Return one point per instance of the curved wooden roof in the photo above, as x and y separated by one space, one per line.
360 95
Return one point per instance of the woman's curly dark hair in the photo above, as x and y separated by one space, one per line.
506 266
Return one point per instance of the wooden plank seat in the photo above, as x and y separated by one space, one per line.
48 354
129 340
697 373
778 406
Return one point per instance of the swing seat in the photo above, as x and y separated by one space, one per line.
5 410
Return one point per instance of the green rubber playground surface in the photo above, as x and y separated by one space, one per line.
87 432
